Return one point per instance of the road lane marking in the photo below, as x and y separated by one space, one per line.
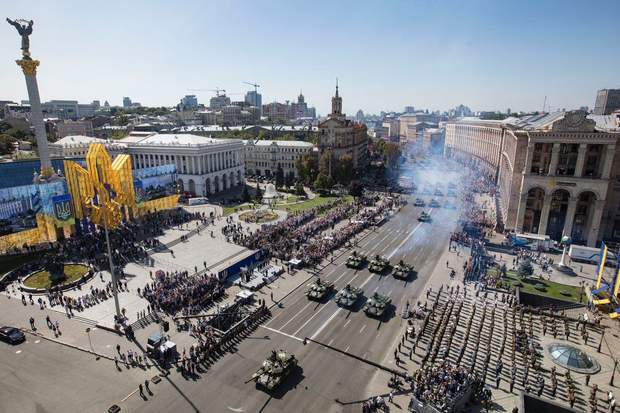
232 409
129 395
330 342
347 349
37 341
407 238
345 324
322 327
310 319
18 351
283 333
363 328
296 314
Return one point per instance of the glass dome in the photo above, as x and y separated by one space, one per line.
573 358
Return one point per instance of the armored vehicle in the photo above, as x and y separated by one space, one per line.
319 289
424 217
402 270
419 202
275 368
376 306
379 264
438 192
434 204
450 205
348 296
356 260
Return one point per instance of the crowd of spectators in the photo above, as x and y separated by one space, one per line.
441 384
176 291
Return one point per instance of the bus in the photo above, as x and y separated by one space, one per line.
534 242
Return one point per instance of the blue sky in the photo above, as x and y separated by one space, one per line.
434 54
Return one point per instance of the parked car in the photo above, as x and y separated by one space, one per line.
11 335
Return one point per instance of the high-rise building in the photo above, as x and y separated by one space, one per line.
607 101
219 101
189 102
409 109
126 102
253 98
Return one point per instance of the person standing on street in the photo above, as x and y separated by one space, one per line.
32 327
141 390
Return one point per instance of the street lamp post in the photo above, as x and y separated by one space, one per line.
114 282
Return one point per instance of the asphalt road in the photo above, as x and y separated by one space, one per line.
40 376
324 375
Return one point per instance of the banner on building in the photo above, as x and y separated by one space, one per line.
139 190
63 213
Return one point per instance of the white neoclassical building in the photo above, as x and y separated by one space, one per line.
204 165
557 173
264 157
76 146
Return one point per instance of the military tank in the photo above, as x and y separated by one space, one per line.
319 289
356 260
348 296
424 217
379 264
402 270
275 368
434 204
376 306
438 192
419 202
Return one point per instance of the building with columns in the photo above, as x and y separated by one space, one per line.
558 173
204 165
340 136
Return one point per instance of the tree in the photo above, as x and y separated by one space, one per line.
345 169
391 152
279 177
258 196
323 182
525 268
356 189
299 189
324 163
289 179
307 168
245 195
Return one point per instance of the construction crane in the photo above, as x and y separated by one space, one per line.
217 90
256 86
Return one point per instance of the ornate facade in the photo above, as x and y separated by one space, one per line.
340 136
558 174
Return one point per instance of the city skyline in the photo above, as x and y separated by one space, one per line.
429 55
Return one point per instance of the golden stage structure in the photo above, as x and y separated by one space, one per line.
103 192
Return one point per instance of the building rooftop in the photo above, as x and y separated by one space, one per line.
544 121
178 139
265 142
77 140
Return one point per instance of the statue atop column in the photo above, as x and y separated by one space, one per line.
24 28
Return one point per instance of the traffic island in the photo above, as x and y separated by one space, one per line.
68 276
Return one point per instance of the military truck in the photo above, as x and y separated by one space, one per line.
379 264
319 289
348 296
356 260
402 270
376 306
434 204
424 217
275 368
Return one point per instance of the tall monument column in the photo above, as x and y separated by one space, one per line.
29 67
